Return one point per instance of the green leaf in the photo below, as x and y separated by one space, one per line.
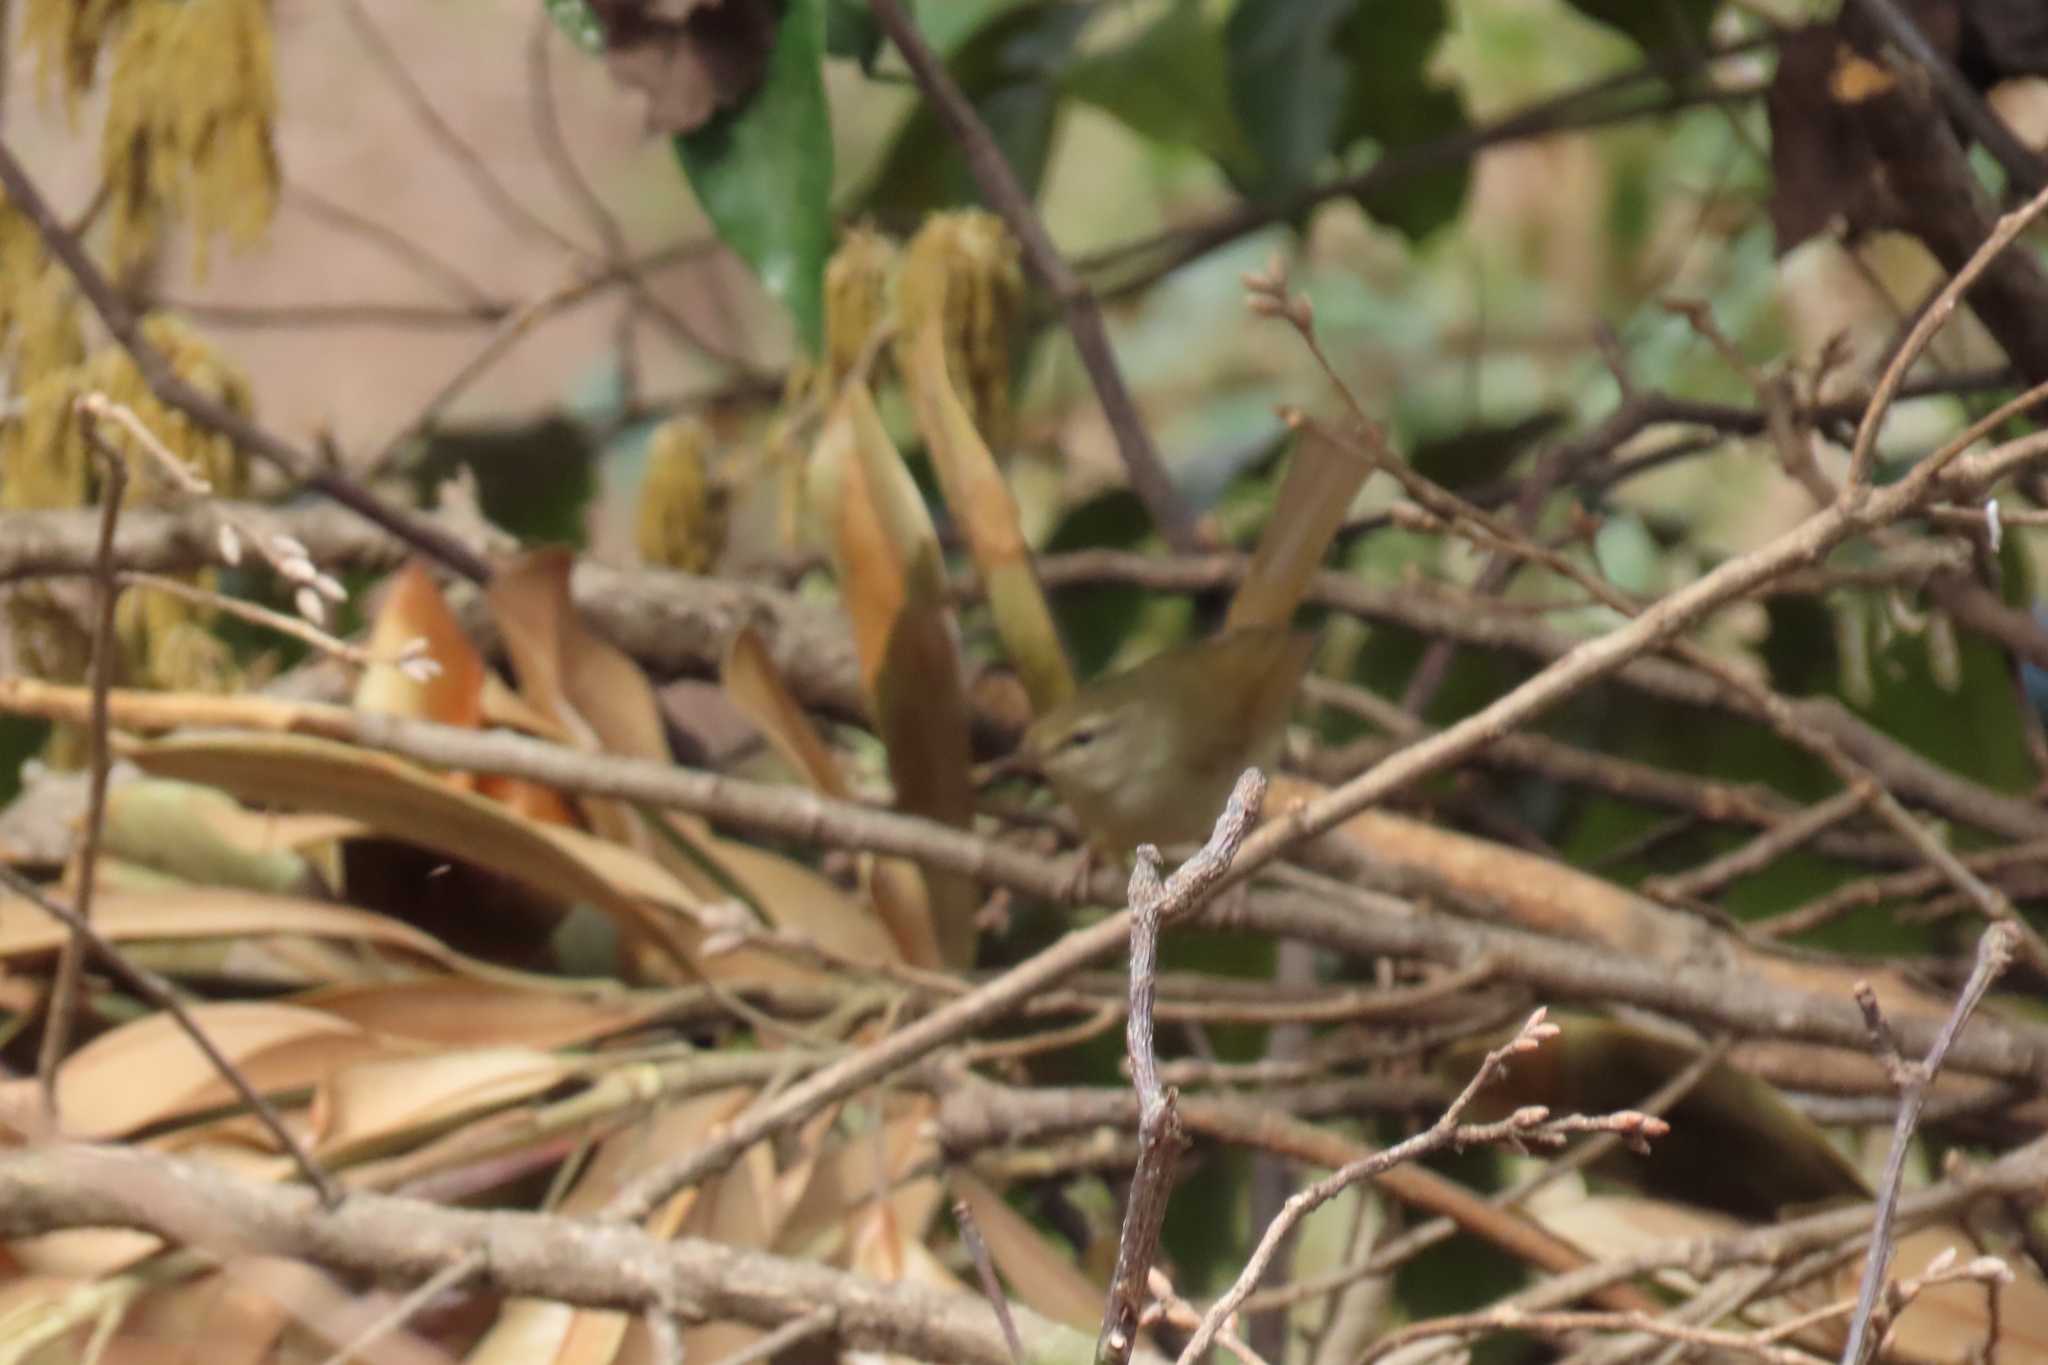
851 32
1010 71
1676 28
1309 78
763 171
1171 84
1394 102
574 18
1288 86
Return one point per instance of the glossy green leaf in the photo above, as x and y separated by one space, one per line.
1288 86
763 171
851 32
574 18
1171 84
1673 28
1310 78
1393 100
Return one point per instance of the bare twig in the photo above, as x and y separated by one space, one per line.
1147 473
472 165
454 1273
106 590
1160 1137
817 1323
394 1240
1531 1124
1938 312
1994 953
1761 851
985 1271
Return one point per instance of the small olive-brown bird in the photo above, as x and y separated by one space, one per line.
1150 754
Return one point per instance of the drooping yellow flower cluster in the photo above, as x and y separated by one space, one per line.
857 281
45 461
961 269
39 330
191 111
66 36
682 509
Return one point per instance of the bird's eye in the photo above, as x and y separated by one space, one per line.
1081 736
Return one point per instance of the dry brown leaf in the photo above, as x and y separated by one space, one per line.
453 1011
414 609
381 1102
887 556
192 912
406 803
147 1071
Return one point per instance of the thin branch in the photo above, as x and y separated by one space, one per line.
454 1273
569 1260
472 165
1937 313
1994 954
1147 473
1160 1136
1531 1124
821 1322
106 592
415 256
985 1270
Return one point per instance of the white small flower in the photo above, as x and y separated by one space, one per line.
310 606
422 670
1994 529
289 547
329 587
297 570
230 544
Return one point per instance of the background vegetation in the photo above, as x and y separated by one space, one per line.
530 535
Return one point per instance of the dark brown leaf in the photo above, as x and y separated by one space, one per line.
692 58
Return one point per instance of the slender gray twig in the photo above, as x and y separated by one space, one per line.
1994 954
985 1270
106 591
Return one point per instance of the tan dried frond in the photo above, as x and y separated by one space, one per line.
682 511
189 133
962 269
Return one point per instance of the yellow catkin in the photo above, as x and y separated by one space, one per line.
66 37
189 131
682 511
963 268
163 640
856 300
